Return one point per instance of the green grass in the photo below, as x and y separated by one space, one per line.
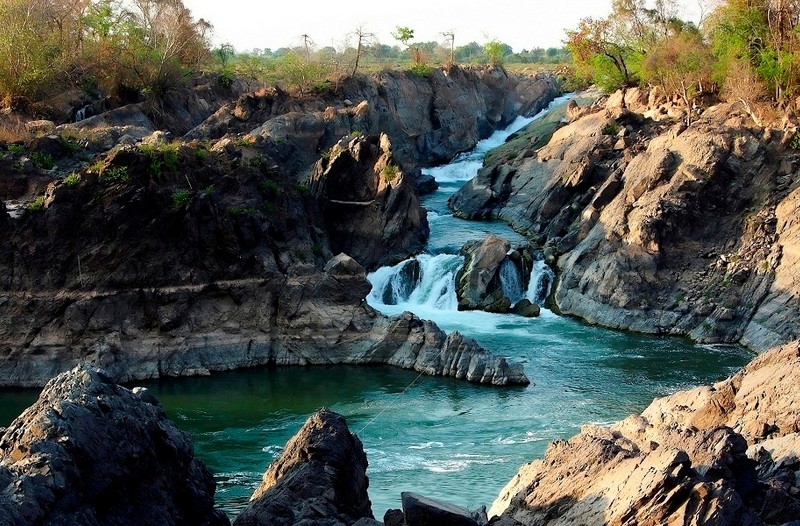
43 160
180 198
72 179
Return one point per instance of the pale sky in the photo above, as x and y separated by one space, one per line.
522 24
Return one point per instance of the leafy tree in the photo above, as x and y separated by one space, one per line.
224 54
496 51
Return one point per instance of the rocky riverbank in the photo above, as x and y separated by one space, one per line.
655 226
161 258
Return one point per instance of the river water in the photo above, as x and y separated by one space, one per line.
444 438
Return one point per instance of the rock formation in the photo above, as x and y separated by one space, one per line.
91 452
657 227
319 479
428 119
719 455
371 210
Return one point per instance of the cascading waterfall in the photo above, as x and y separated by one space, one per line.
426 280
511 281
81 113
541 282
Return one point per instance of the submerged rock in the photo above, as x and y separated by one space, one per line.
320 479
721 455
91 452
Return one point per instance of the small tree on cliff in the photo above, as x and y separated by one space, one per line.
405 35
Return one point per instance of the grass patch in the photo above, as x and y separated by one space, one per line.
37 205
390 172
72 179
180 198
43 160
115 174
303 189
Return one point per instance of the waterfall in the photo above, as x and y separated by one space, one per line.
422 281
81 113
541 281
511 281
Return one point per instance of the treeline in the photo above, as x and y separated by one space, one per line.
743 50
139 45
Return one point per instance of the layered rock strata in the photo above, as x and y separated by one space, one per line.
91 452
719 455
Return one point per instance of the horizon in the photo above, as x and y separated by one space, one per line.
330 27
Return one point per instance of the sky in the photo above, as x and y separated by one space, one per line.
522 24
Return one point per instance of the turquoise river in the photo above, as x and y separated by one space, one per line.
444 438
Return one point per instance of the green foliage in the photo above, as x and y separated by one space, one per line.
163 158
240 211
404 34
421 69
302 189
268 208
17 149
181 198
389 172
612 128
37 205
72 179
268 188
316 249
322 86
115 174
43 160
224 54
208 191
794 144
226 78
200 154
496 51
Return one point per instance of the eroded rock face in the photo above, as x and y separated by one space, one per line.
479 277
717 455
91 452
319 479
371 209
655 226
428 119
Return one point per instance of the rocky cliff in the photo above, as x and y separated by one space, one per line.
655 226
91 452
429 119
718 455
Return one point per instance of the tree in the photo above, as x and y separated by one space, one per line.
598 55
362 36
681 64
224 54
496 51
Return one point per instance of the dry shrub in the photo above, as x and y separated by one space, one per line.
743 85
12 129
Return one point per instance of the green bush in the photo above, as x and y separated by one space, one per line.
115 174
43 160
180 198
72 179
302 189
17 149
37 205
612 128
268 188
390 172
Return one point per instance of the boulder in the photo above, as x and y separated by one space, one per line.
319 479
424 511
526 308
479 277
91 452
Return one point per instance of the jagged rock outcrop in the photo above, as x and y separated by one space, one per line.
319 479
429 119
91 452
721 455
479 283
371 210
659 227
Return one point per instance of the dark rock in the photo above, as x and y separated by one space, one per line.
423 511
426 184
93 453
394 518
319 479
479 277
526 308
371 211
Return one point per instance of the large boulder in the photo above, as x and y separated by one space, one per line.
320 479
479 277
718 455
91 452
371 209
